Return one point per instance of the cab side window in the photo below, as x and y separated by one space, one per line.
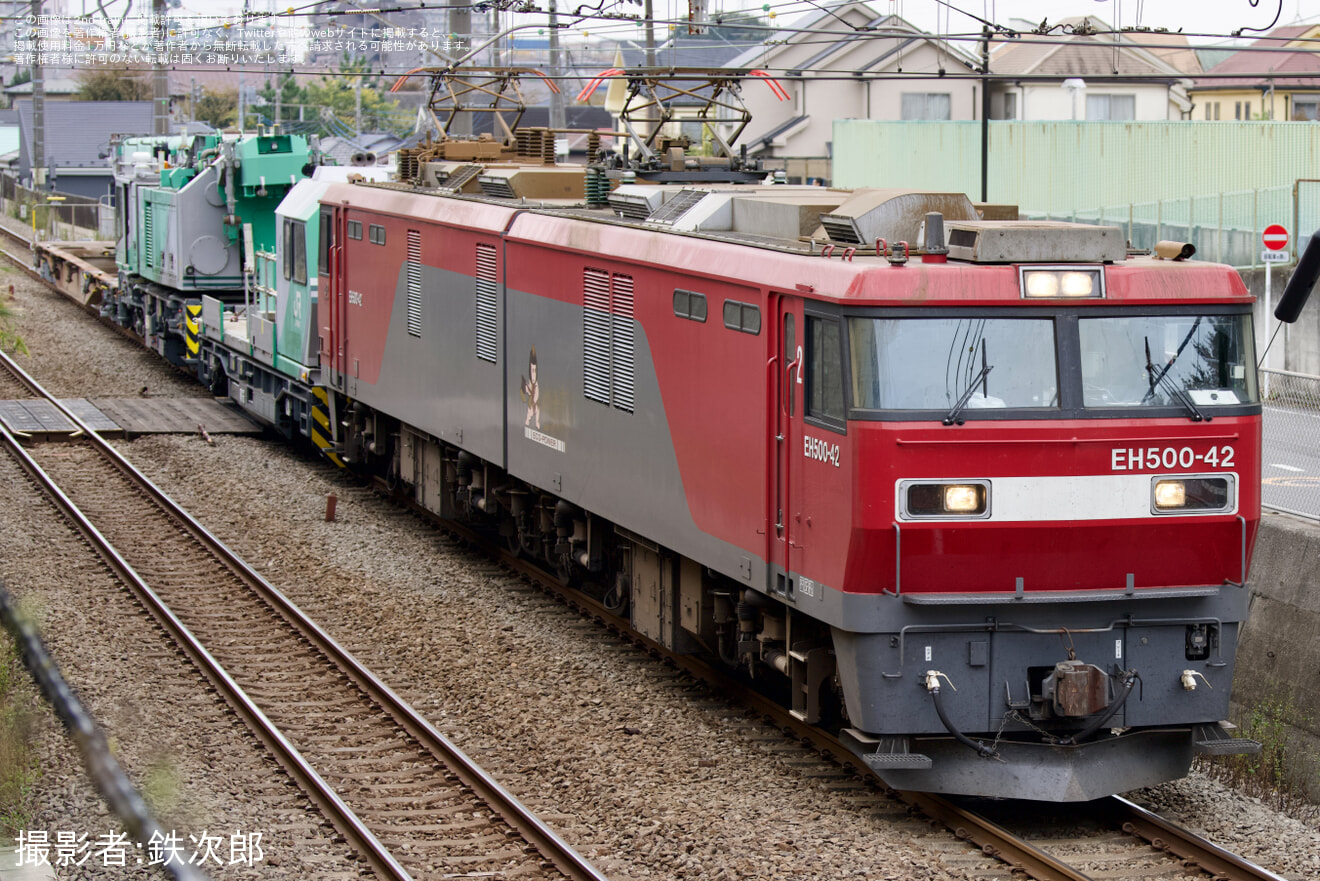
824 371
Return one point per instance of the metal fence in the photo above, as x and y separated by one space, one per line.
57 216
1290 465
1225 227
1216 185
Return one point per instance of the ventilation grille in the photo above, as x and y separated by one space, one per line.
487 299
496 187
621 310
676 207
414 270
148 239
841 229
596 335
458 178
632 208
608 339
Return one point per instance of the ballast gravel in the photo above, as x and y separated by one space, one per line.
647 774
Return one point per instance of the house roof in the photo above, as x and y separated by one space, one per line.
49 85
77 132
1099 56
710 50
1269 68
815 24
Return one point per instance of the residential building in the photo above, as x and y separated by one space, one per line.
77 137
851 62
1091 74
1277 84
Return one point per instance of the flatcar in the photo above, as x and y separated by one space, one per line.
978 495
985 507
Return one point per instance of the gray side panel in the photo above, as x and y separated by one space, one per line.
619 465
436 382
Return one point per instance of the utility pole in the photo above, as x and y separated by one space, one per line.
160 83
649 15
38 103
357 107
557 117
460 31
985 113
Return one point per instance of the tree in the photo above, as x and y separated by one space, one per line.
112 84
21 77
218 109
290 94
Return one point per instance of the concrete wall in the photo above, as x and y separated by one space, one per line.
1279 651
1297 347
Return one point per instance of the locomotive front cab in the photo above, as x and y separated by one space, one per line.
1055 490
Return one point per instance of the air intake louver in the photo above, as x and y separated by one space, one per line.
841 229
496 187
675 208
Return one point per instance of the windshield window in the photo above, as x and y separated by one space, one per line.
1151 361
931 363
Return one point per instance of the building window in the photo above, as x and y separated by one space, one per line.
1207 110
1216 110
824 371
926 105
742 316
1305 108
1111 107
355 230
1010 105
690 305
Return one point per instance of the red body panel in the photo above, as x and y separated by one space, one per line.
741 460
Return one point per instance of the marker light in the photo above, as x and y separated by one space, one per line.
1047 282
1193 495
934 499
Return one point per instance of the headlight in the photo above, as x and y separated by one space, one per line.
1046 282
1193 495
936 499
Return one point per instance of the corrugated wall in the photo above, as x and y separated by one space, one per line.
1214 183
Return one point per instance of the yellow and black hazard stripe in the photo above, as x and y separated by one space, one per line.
192 329
323 432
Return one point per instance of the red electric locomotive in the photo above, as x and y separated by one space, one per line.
985 506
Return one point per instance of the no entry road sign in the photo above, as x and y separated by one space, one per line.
1275 237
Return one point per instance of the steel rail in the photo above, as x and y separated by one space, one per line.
548 843
1185 844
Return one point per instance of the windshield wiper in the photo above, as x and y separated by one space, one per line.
1160 378
952 415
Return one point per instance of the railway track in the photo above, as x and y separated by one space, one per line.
403 796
